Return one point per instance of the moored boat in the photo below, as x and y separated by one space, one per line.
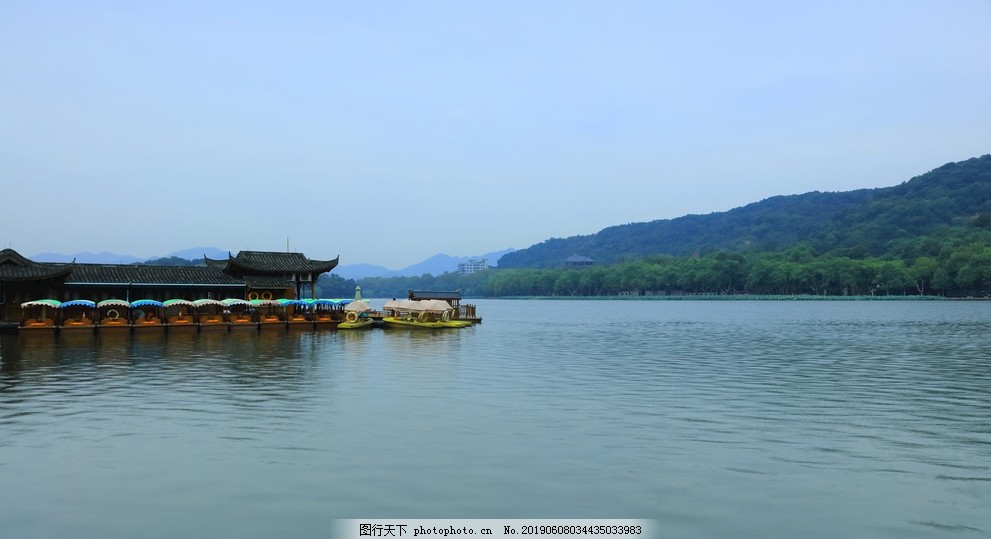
77 316
326 313
297 315
269 312
415 322
360 323
459 311
210 315
427 314
85 316
147 315
179 315
239 314
356 315
113 315
39 315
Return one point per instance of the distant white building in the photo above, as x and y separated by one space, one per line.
471 266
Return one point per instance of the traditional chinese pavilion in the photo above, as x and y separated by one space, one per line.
249 275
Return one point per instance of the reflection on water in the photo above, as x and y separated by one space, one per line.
764 419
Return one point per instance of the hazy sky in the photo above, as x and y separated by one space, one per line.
388 132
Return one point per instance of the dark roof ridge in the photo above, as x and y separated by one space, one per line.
16 267
279 261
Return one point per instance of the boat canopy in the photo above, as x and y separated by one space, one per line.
147 303
326 301
78 303
429 305
262 302
358 306
435 305
42 303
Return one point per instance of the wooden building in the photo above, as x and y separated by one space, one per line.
578 261
24 280
249 275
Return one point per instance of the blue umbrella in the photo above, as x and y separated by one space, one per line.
147 303
78 303
326 301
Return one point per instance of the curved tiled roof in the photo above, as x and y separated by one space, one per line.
14 267
213 262
433 294
276 262
147 275
254 269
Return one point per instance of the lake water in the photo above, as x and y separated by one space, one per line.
715 418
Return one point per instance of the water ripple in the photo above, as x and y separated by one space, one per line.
830 419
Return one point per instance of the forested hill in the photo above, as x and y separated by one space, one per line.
862 222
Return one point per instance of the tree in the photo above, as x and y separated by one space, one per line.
922 272
593 281
840 274
975 274
894 276
729 271
568 283
942 281
761 277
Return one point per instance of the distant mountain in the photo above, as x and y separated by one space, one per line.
87 258
360 271
854 223
435 265
196 253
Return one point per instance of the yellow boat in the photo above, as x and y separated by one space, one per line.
421 314
459 311
360 323
415 322
357 313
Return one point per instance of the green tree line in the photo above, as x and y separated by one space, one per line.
953 262
865 220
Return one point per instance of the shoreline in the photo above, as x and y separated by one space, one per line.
744 297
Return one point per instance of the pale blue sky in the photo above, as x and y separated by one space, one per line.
387 132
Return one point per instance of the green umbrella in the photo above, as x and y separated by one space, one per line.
42 303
